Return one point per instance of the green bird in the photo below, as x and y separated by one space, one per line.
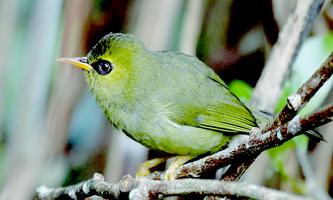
167 101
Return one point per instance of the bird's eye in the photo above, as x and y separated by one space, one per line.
102 67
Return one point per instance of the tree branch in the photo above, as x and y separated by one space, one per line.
130 188
254 145
93 186
237 169
247 149
312 121
319 118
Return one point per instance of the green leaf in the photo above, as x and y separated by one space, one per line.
241 89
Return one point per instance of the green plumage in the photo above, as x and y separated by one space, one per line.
166 101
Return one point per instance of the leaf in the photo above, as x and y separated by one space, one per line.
241 89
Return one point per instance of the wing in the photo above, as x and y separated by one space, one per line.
221 110
225 118
201 99
228 116
213 108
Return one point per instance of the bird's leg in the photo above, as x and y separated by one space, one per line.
144 168
177 162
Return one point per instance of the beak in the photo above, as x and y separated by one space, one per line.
80 62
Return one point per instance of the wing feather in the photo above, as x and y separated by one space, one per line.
230 119
201 99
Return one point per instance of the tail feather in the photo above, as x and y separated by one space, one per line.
264 117
315 134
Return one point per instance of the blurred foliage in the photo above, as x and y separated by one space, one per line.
241 89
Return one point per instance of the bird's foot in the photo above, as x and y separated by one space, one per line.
176 163
144 168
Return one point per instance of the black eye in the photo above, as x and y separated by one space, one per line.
102 67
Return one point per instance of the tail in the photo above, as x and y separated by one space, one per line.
264 117
315 134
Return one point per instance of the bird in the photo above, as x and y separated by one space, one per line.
168 101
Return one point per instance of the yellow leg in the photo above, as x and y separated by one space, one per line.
144 168
177 162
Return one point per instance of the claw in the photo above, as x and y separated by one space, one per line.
144 168
176 163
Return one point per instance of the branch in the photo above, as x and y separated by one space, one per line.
129 188
237 169
254 145
283 54
93 186
319 118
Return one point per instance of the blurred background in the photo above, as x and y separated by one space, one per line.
52 131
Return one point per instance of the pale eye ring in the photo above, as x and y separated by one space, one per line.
102 67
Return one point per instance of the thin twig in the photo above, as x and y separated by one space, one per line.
317 119
237 169
321 117
94 186
153 189
129 188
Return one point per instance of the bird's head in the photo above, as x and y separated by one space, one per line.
109 62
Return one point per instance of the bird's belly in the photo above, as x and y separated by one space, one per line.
159 133
181 140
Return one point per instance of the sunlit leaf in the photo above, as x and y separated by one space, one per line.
241 89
